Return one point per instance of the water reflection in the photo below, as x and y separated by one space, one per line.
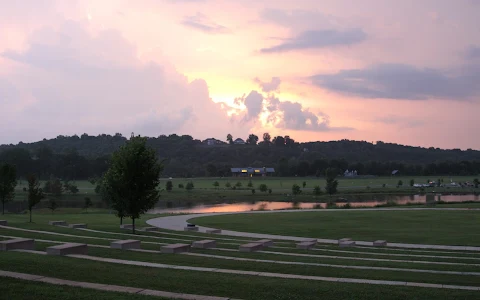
268 205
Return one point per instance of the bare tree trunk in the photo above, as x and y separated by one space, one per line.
121 220
3 207
30 215
133 227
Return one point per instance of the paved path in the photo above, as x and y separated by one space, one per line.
276 275
179 222
107 287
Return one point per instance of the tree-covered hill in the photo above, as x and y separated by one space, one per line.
84 156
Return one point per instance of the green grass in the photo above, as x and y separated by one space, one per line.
238 286
421 227
27 290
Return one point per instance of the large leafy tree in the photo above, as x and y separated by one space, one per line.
133 178
229 138
267 138
252 139
35 193
8 182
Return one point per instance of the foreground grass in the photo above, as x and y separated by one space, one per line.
421 227
238 286
27 290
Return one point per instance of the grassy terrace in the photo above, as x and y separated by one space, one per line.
224 284
421 227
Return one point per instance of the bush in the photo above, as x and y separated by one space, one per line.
228 184
169 186
263 188
189 186
269 191
253 191
296 189
181 186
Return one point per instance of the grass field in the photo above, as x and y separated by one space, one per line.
422 227
225 271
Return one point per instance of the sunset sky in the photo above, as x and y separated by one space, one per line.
402 71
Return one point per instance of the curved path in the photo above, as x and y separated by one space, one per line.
179 222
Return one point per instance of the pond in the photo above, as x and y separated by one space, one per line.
273 205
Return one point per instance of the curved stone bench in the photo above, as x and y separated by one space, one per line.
306 245
251 247
175 248
66 249
204 244
150 229
57 223
347 244
125 244
75 226
191 228
213 231
16 244
265 242
126 226
380 243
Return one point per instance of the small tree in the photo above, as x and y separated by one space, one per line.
169 186
35 193
189 187
476 182
88 203
263 188
52 205
8 182
269 191
296 189
412 182
228 185
250 184
332 183
216 184
73 189
238 184
253 191
304 184
133 178
317 191
400 183
181 186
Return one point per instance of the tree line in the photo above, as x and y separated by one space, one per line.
76 158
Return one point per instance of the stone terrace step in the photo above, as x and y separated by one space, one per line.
265 242
191 228
204 244
3 223
125 244
77 226
251 247
347 244
16 244
380 243
175 248
66 249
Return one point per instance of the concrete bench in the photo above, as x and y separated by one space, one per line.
204 244
3 222
380 243
265 242
306 245
57 223
251 247
151 229
213 231
309 241
125 244
14 244
344 240
66 249
77 226
175 248
126 226
191 228
347 244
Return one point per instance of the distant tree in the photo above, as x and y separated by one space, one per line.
35 193
279 141
92 180
332 183
88 203
296 189
400 183
238 184
252 139
476 182
181 186
269 191
267 138
189 186
304 184
289 141
216 184
52 205
263 188
230 139
8 182
412 182
439 182
227 185
317 191
253 191
73 189
54 186
250 184
169 186
133 177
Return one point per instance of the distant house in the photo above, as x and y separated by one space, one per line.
239 141
213 142
250 172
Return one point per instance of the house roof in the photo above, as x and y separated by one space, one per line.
250 170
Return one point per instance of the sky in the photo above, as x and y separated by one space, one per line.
404 72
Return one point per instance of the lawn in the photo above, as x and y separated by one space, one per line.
421 227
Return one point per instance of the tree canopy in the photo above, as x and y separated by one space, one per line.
8 182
